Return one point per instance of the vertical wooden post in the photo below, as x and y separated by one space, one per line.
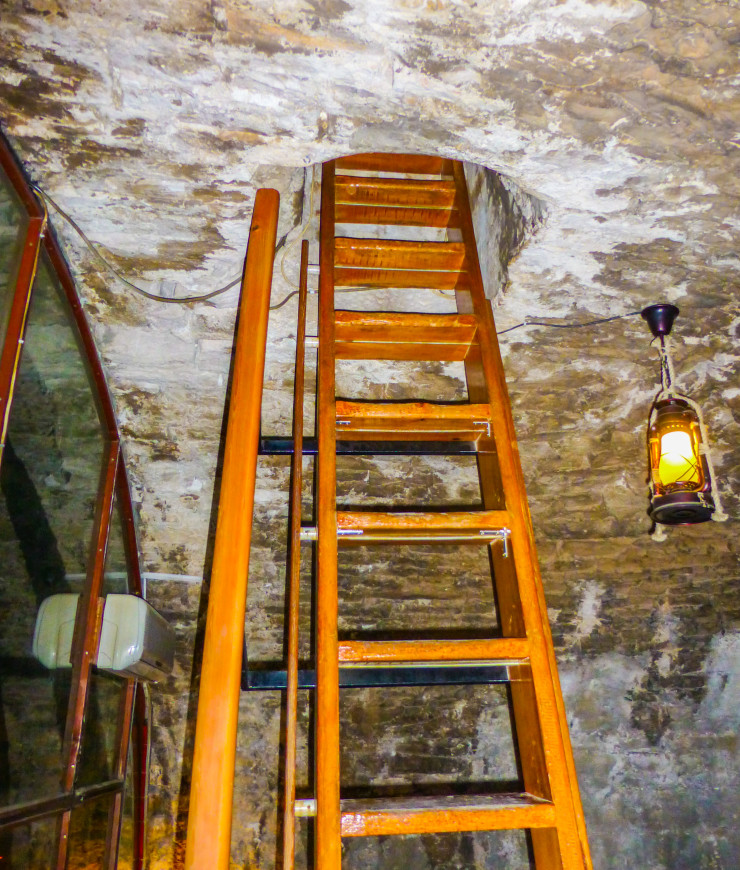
294 571
328 837
209 822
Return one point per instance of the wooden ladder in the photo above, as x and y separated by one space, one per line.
416 191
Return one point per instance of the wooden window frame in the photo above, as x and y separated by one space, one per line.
113 485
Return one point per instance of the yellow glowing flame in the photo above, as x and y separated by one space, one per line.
677 460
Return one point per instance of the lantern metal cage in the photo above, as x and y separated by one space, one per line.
681 483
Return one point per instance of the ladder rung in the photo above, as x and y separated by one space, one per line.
408 279
388 335
412 420
397 216
426 815
412 164
474 527
403 192
499 650
386 254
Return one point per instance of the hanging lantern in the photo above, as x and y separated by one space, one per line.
680 479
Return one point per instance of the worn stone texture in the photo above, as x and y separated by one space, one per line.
614 128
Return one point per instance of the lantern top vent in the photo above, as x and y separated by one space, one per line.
660 318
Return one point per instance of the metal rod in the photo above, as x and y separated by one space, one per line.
209 822
294 573
476 536
408 431
23 814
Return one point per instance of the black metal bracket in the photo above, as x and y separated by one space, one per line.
284 447
365 676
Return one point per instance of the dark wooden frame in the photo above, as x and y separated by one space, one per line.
113 485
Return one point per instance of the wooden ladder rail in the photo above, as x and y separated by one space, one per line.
209 819
539 713
294 572
550 806
328 846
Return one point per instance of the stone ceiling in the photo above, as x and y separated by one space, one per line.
153 127
153 123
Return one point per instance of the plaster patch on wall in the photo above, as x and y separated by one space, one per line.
634 774
587 618
720 707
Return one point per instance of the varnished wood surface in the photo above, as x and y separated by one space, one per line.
422 521
294 573
328 849
423 815
558 832
209 820
496 649
442 351
570 849
425 327
405 192
415 421
400 216
418 164
410 279
391 254
388 335
412 411
12 340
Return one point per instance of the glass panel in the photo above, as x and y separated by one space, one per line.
104 708
49 480
88 832
13 226
100 729
128 817
31 845
116 577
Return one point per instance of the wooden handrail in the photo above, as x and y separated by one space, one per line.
294 571
209 822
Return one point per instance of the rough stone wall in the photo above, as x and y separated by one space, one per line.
154 126
504 217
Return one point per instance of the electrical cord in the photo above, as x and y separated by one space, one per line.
202 297
568 325
178 300
295 241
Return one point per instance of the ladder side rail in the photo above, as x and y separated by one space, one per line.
209 821
525 712
552 718
294 572
526 715
328 819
